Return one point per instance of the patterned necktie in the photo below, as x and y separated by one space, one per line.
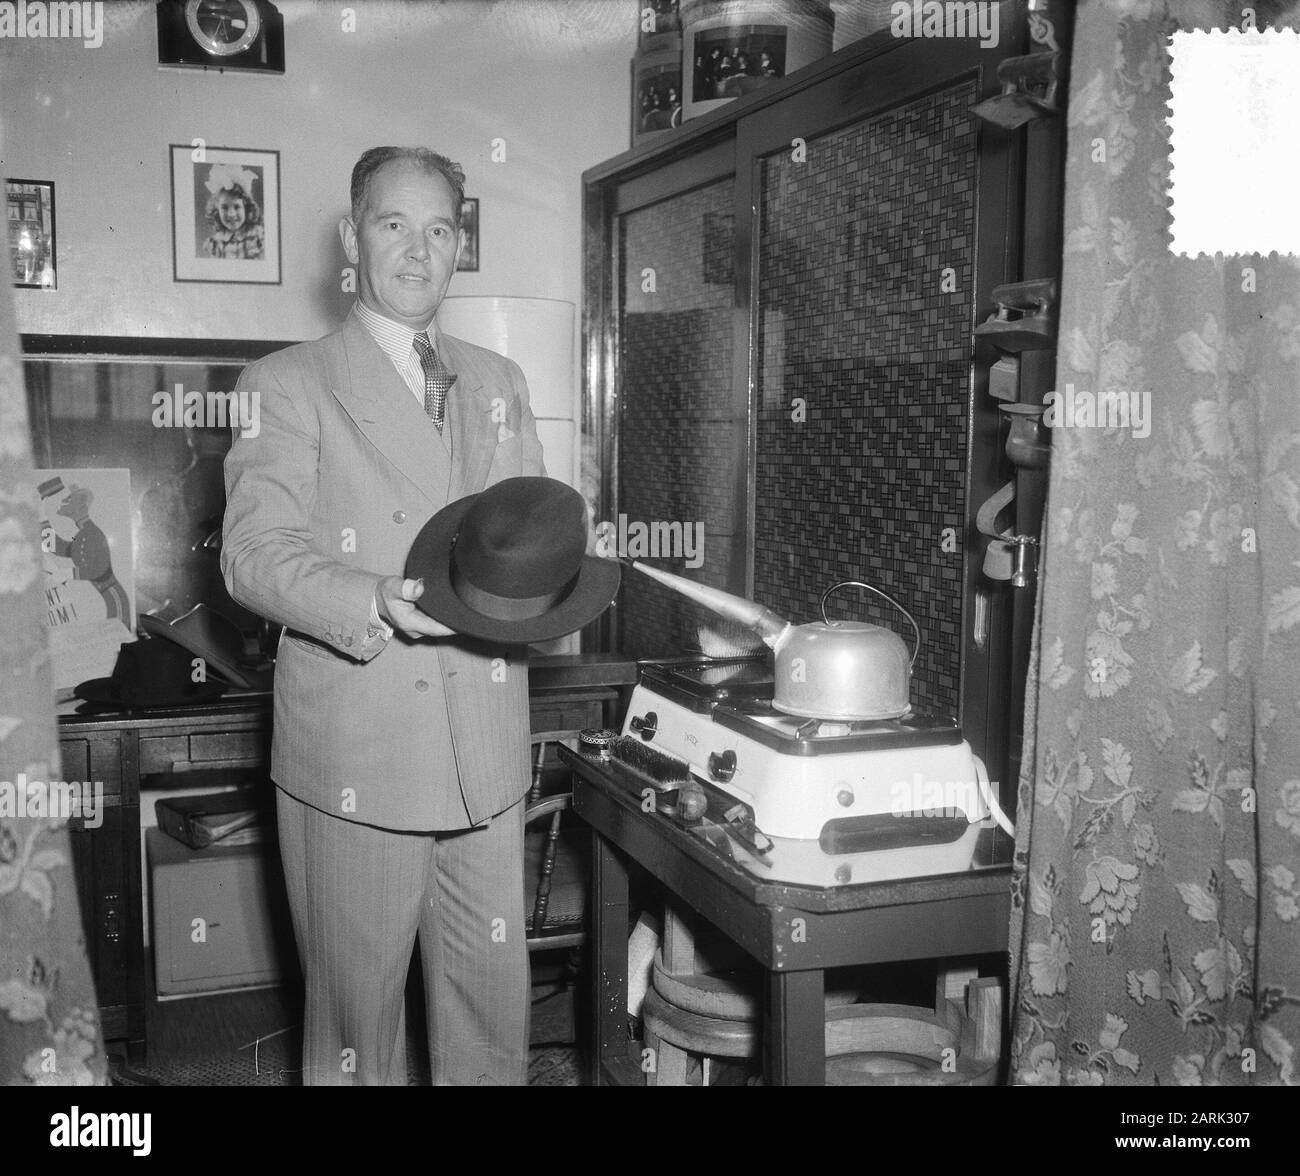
438 379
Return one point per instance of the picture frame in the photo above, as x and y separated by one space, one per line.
734 60
656 94
29 212
468 262
225 214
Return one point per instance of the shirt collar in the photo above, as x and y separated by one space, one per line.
395 339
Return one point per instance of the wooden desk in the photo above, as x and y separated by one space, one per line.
794 932
216 742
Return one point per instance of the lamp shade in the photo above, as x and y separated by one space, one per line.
537 333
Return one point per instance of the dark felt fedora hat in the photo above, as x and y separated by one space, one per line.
205 633
150 673
509 564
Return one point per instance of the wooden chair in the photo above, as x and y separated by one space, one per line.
556 861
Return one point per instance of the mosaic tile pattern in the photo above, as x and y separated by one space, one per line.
855 323
676 437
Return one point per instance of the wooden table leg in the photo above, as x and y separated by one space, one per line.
609 919
794 1031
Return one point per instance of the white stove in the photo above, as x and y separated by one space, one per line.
807 801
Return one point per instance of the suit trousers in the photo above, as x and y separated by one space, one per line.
358 896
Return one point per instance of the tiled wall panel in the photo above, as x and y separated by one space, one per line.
856 325
677 439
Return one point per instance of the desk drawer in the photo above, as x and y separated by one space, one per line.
160 753
96 761
235 748
74 756
216 749
568 712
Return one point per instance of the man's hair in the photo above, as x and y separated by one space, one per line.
428 161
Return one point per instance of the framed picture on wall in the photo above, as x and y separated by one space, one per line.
225 214
469 226
30 211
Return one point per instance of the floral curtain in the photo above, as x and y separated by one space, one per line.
49 1029
1158 847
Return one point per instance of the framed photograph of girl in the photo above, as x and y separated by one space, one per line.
225 214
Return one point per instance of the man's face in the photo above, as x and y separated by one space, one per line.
406 245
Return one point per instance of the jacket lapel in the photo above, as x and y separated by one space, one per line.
470 416
382 407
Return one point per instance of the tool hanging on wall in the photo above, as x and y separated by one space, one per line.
1029 87
1008 557
1033 327
1004 379
1027 445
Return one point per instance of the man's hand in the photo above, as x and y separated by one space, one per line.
395 599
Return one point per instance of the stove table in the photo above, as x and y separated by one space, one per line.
794 932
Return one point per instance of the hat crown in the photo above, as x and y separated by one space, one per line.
523 537
510 564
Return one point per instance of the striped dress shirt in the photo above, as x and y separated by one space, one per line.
397 341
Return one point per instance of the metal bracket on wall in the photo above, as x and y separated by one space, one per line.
1041 29
1034 328
1028 446
1008 557
1029 87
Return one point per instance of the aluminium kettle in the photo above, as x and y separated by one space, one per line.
842 670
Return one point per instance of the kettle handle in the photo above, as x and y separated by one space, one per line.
872 588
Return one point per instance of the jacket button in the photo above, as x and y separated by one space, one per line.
421 685
399 516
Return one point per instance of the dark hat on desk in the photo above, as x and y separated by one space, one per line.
204 632
510 564
150 673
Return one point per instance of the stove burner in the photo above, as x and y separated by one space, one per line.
737 693
701 683
792 735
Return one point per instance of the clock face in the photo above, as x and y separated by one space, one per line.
223 27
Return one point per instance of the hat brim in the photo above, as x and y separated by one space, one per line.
104 692
192 642
430 560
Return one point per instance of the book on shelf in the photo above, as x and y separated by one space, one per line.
235 818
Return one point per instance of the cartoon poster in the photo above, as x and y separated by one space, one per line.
89 584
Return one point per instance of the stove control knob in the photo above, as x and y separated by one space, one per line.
722 765
645 726
692 803
845 797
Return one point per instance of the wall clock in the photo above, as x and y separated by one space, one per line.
221 34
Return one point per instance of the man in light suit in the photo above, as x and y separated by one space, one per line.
400 751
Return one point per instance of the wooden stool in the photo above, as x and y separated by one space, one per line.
674 1033
901 1045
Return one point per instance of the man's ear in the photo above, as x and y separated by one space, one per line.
348 235
460 248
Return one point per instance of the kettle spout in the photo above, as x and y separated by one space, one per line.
771 628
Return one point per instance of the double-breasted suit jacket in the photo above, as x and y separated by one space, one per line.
324 501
